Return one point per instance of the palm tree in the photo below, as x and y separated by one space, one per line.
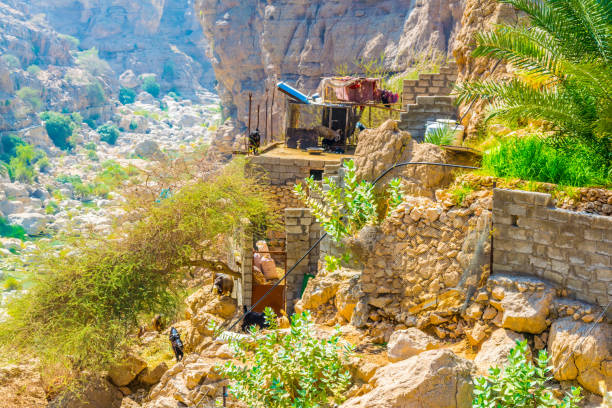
564 71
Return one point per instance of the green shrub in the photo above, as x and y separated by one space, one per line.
168 73
535 159
91 146
11 231
293 369
76 117
73 41
126 96
11 283
11 61
43 164
520 385
173 95
133 125
59 128
31 97
150 85
22 167
92 155
52 208
9 145
108 133
92 63
95 93
34 69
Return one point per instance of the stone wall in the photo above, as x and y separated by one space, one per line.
426 108
240 257
302 231
570 249
430 84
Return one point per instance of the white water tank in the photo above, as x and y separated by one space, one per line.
442 123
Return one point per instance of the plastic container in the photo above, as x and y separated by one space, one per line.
442 123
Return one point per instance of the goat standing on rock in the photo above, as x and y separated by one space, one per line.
224 285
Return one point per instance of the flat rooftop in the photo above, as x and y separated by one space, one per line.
288 153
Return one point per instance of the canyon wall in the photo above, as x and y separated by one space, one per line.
254 44
149 36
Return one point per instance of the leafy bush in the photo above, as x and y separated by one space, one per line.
85 302
173 95
59 128
9 145
92 155
91 146
108 133
292 369
444 135
95 93
11 61
563 65
533 158
31 97
168 74
76 117
34 69
11 283
73 41
520 385
150 85
126 96
22 167
92 63
52 208
133 125
11 231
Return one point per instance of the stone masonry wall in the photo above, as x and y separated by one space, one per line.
240 257
302 231
426 108
430 84
567 248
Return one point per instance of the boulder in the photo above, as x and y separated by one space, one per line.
99 393
124 372
150 377
347 297
15 190
201 322
494 351
148 149
8 207
146 98
33 223
526 312
591 360
128 79
404 344
435 378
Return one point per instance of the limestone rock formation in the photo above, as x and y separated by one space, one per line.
435 378
494 351
98 393
591 360
404 344
256 44
125 371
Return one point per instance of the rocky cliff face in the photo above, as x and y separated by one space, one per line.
254 43
151 36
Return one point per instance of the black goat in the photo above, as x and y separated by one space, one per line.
253 319
224 285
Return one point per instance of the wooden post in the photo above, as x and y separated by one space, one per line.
257 117
272 116
249 125
370 117
266 130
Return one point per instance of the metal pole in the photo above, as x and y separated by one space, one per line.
257 116
249 126
272 116
266 130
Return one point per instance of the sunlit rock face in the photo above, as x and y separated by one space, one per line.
254 44
162 37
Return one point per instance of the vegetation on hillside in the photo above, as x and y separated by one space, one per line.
84 302
108 133
298 369
520 384
92 63
126 96
150 85
26 163
563 75
31 97
59 128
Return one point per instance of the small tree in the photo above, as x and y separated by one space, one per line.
31 97
126 96
521 385
291 369
150 85
108 133
59 128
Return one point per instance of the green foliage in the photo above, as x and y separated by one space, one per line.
168 74
34 69
59 128
92 63
292 369
443 135
173 95
564 71
95 93
23 166
11 283
133 125
52 208
31 97
533 158
90 146
92 155
520 385
108 133
126 96
86 300
150 85
344 211
11 231
9 145
73 41
460 192
11 61
76 117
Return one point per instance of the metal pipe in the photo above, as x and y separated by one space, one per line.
266 124
272 116
249 125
